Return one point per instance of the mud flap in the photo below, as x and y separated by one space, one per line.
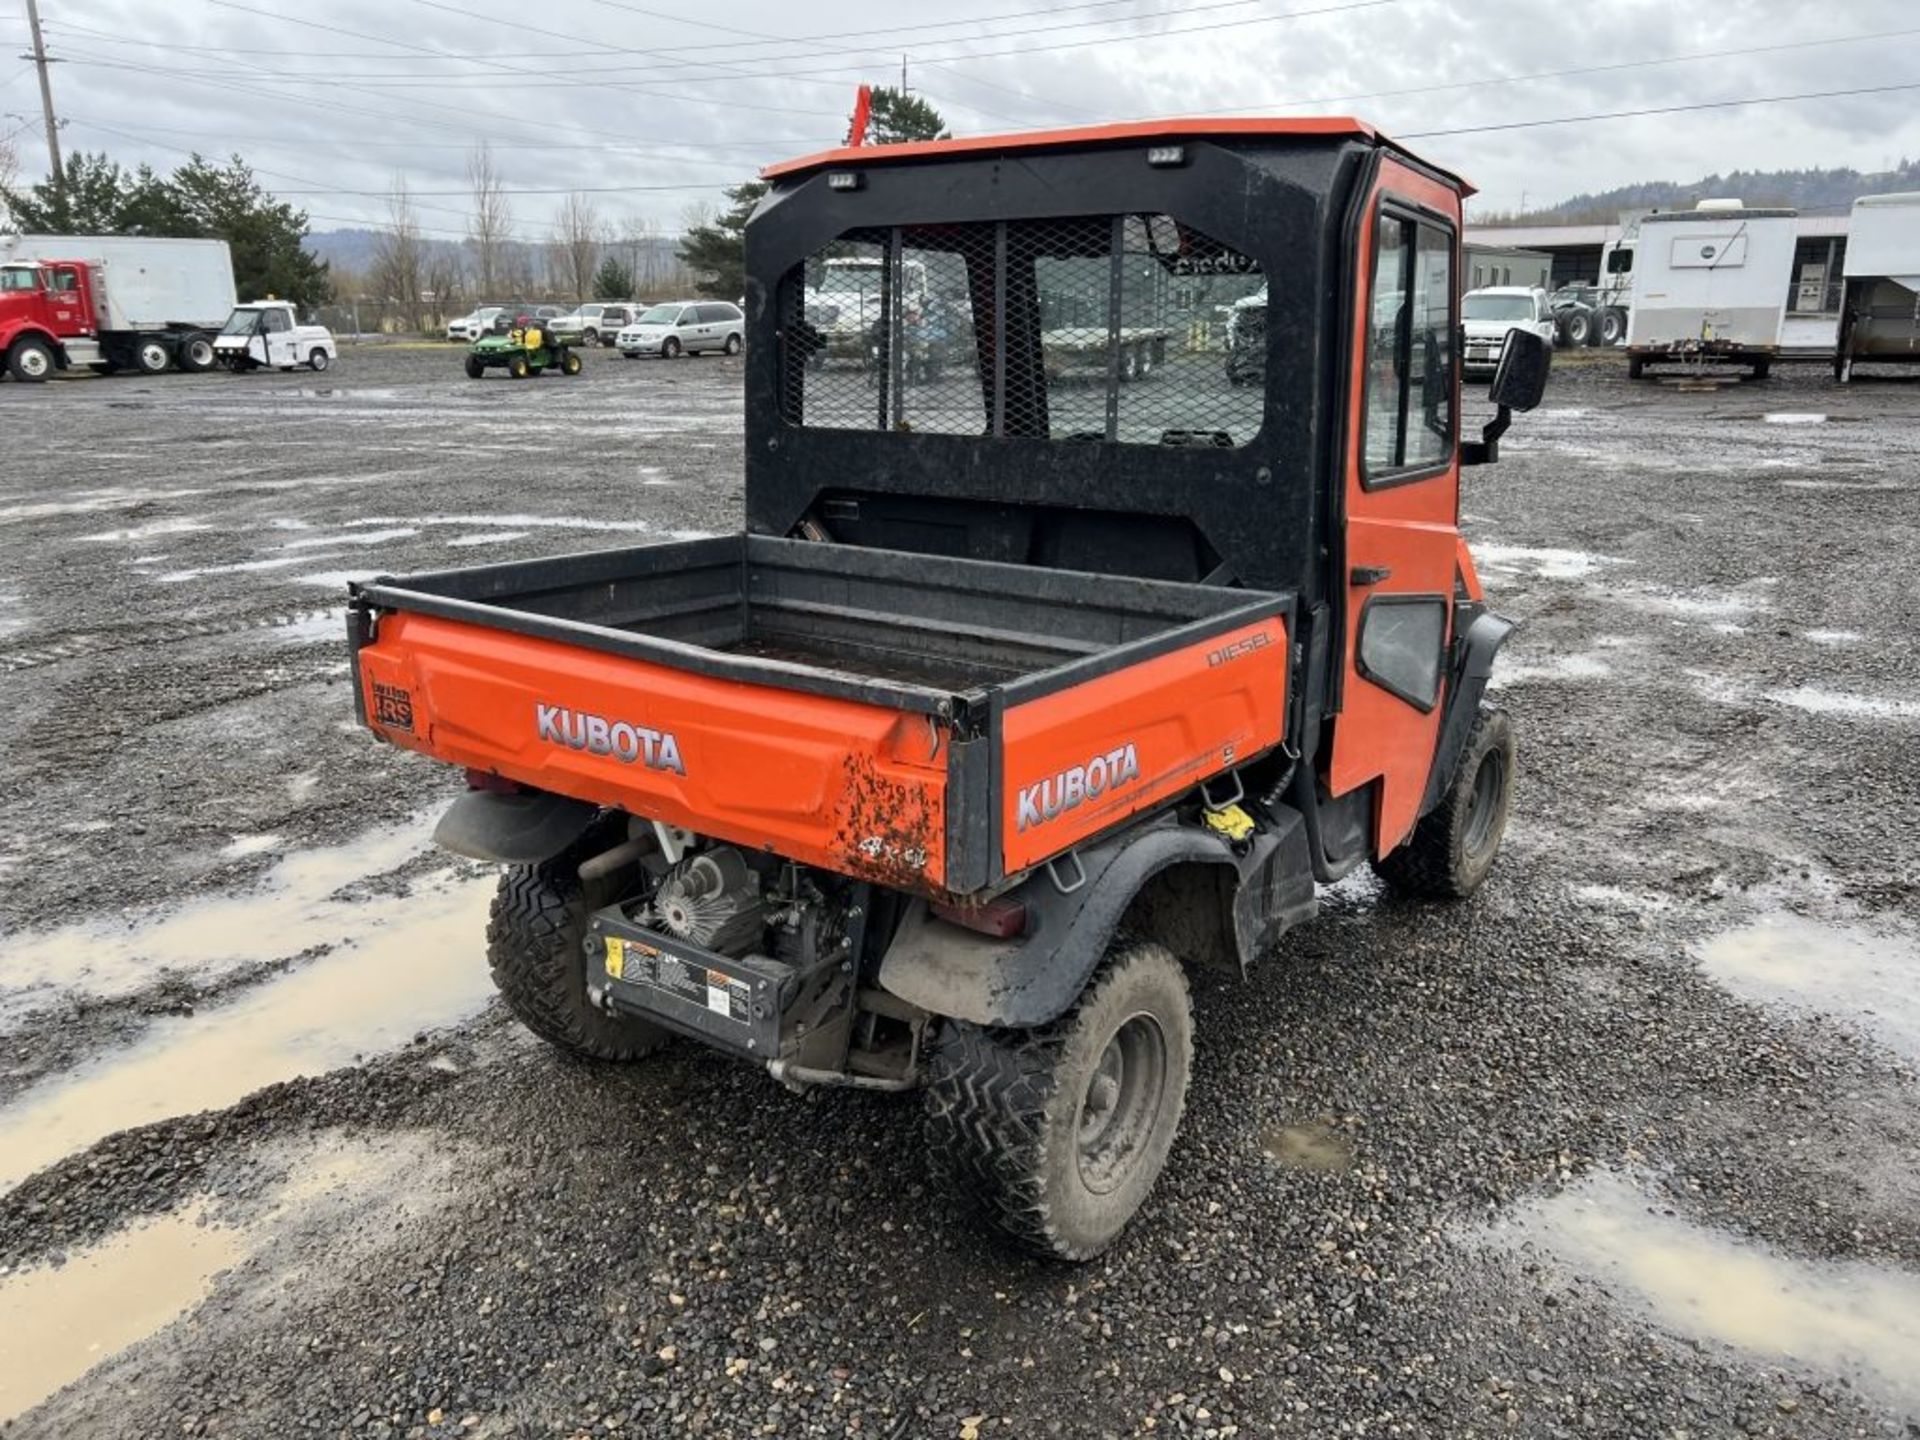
512 829
1036 977
1480 644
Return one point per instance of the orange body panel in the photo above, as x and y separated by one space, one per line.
1410 530
1076 761
855 788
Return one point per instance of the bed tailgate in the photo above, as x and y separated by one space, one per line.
855 787
1074 759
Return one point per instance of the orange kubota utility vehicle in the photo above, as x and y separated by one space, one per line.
1053 659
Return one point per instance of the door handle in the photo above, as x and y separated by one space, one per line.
1364 575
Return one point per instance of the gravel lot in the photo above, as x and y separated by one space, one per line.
1628 1146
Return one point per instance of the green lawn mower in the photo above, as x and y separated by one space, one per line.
522 352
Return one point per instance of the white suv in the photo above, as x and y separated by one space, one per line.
685 327
1488 314
471 327
597 323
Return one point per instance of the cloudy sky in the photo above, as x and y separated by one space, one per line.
654 106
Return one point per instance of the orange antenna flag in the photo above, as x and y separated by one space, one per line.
862 110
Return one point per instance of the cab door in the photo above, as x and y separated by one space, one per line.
1401 497
67 302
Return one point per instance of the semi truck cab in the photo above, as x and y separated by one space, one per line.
46 317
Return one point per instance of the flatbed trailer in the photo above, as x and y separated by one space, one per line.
1135 351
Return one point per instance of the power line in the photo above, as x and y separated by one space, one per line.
1662 110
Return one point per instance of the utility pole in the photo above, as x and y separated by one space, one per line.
903 75
39 58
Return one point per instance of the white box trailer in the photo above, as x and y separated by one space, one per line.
1880 309
117 301
1710 284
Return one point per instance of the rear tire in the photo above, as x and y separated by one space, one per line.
535 936
1613 326
1636 367
1762 369
1579 328
151 357
733 344
1454 845
1058 1133
196 354
30 361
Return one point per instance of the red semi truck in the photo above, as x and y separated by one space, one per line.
111 302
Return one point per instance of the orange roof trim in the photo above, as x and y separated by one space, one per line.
1134 130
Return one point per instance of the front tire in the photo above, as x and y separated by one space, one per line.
535 936
318 360
1453 847
474 368
518 368
670 348
30 361
570 365
1058 1133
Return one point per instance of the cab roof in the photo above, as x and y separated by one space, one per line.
1084 136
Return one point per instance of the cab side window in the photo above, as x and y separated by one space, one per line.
1409 373
274 321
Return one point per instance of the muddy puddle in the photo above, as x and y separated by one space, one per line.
312 897
406 964
1312 1146
61 1321
1870 981
1829 1319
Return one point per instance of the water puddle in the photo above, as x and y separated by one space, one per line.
489 537
1548 564
1869 980
1835 1318
1314 1146
1794 417
61 1322
149 531
1832 637
238 567
360 537
1566 667
408 964
242 846
298 905
1816 701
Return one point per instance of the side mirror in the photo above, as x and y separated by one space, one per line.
1519 381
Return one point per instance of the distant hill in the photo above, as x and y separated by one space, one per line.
1805 190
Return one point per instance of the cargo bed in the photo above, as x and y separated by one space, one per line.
930 722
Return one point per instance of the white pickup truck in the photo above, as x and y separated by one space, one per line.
265 333
1487 315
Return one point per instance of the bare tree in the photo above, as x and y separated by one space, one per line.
491 224
9 166
397 257
576 246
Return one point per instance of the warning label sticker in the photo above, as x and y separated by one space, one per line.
634 963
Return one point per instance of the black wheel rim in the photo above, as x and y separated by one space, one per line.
1483 803
1120 1107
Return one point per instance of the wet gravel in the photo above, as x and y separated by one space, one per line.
1714 696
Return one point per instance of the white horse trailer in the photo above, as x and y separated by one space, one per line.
1710 284
1880 313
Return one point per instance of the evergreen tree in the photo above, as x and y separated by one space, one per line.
200 200
899 115
614 280
717 252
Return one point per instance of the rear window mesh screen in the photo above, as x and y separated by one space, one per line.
1126 328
